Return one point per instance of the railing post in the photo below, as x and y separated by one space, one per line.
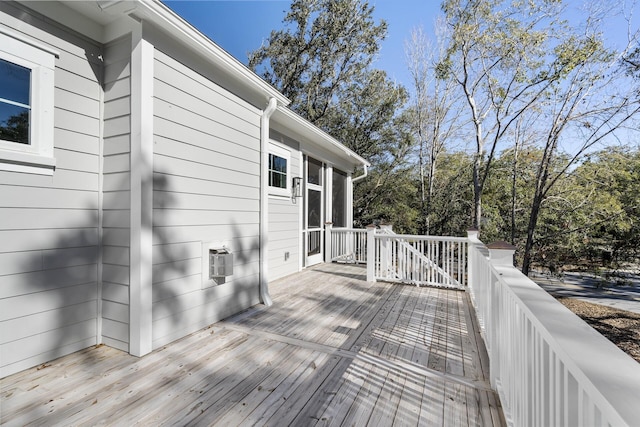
472 235
501 253
371 253
328 248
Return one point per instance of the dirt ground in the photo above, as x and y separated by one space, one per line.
621 327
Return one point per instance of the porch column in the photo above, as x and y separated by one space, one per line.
349 204
328 226
328 187
141 196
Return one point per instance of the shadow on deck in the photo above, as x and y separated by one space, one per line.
333 349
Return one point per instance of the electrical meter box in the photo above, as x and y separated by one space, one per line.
220 263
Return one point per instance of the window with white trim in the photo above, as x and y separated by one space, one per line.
279 170
26 105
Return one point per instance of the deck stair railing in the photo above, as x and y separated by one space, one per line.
419 260
548 366
425 260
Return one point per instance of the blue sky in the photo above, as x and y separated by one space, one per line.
240 26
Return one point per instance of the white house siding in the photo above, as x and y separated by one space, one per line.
49 224
206 166
284 220
116 197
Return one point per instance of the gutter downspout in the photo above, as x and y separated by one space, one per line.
265 298
358 178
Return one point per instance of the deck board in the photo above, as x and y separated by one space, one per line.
332 350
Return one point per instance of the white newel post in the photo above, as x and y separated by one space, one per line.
500 254
472 235
371 253
328 226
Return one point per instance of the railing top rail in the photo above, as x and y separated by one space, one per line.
419 237
344 230
605 372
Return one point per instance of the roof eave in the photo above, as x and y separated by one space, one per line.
320 137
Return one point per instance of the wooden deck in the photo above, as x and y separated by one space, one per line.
332 350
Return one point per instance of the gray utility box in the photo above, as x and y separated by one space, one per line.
220 263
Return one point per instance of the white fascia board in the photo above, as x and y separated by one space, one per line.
160 15
317 136
110 14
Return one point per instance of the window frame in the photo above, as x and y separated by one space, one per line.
37 157
279 150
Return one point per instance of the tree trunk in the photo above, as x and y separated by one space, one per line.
533 222
514 192
477 193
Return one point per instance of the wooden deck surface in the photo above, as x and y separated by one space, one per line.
332 350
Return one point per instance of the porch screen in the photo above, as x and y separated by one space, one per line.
339 213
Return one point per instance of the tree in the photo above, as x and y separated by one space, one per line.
586 107
501 50
434 112
16 128
322 62
324 47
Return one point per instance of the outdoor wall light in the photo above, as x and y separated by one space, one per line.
296 188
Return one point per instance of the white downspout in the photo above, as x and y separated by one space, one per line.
358 178
265 298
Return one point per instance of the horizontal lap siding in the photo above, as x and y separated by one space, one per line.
49 224
206 170
284 223
116 196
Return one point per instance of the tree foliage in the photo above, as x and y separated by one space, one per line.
512 110
324 47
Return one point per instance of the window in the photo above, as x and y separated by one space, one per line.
314 171
279 170
26 105
15 108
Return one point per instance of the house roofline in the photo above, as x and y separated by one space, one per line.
317 135
161 15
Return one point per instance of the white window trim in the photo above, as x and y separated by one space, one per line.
36 157
279 150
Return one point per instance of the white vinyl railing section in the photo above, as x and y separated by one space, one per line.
419 260
347 245
549 367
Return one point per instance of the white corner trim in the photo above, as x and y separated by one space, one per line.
141 165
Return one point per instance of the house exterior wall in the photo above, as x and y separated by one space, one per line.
284 219
206 178
49 225
116 194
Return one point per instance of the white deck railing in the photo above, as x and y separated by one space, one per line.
347 245
549 367
419 260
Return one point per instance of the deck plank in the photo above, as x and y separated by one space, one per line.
332 350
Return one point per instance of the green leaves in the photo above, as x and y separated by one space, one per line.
326 45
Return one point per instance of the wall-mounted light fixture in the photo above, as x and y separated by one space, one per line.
296 188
